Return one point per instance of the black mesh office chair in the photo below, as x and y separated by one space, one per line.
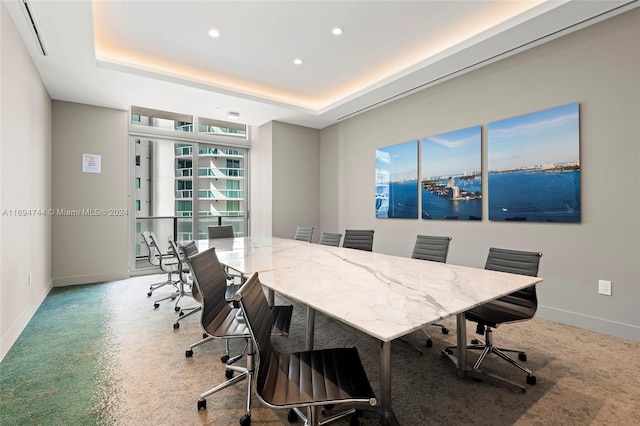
220 320
302 379
168 262
358 239
518 306
304 233
435 249
330 239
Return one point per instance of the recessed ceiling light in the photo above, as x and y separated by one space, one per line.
214 33
337 31
233 115
297 61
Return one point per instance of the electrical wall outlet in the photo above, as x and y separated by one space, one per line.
604 287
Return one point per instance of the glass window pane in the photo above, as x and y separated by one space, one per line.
179 185
161 119
218 127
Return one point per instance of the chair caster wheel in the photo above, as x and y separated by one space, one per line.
176 325
173 298
292 417
177 308
149 294
156 305
447 352
188 353
445 330
205 335
245 420
531 380
522 356
181 314
429 343
475 341
228 374
224 358
202 404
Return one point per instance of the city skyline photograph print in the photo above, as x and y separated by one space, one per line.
397 181
534 166
451 177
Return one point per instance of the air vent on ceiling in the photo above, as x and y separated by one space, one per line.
31 19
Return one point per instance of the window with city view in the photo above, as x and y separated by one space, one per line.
182 184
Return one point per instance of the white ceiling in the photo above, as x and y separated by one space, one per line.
157 54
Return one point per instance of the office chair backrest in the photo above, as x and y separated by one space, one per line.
208 275
184 251
330 239
358 239
515 262
432 248
167 260
304 233
154 252
223 231
259 320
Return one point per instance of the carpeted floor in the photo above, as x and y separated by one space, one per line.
101 354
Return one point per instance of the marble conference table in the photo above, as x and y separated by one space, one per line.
381 295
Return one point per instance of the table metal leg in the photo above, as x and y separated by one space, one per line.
311 324
460 358
385 379
461 332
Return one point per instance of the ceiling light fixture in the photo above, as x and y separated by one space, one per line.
297 61
337 31
213 33
233 115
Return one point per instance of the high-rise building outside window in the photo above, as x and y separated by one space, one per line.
186 181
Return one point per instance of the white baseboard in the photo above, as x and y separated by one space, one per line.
599 325
7 341
89 279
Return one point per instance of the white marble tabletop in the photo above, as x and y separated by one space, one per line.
384 296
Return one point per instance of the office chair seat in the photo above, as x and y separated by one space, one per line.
517 306
434 249
220 320
167 262
300 379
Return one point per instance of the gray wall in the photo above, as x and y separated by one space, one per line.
296 177
598 67
285 176
88 248
25 175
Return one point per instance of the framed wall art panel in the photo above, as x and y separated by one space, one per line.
397 181
451 177
534 166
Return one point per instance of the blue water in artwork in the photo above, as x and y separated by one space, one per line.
535 196
436 206
400 201
513 196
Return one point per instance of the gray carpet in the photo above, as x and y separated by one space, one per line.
582 377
